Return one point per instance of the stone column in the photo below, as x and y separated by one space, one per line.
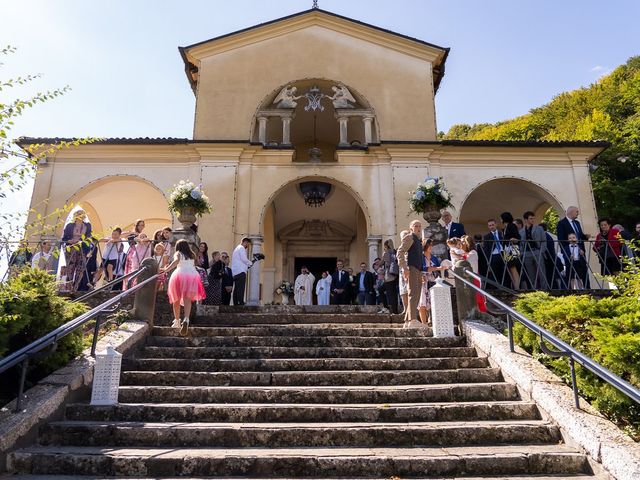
374 248
344 122
253 298
286 130
262 130
368 121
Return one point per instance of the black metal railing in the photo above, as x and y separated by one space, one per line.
50 340
562 348
14 254
553 264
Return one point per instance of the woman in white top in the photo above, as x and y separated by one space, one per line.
185 285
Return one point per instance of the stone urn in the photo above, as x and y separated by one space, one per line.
187 216
431 213
285 298
436 232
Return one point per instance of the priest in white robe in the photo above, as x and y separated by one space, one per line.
303 288
323 289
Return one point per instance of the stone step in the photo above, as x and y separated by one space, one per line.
231 319
317 462
328 395
308 341
289 309
299 331
304 352
312 378
287 434
301 364
562 476
229 412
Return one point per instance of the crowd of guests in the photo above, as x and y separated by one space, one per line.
523 254
516 253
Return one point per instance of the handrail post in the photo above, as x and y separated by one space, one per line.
574 382
23 376
144 304
96 332
510 329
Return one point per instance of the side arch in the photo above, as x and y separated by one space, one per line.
117 200
489 198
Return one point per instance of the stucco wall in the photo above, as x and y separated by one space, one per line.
233 84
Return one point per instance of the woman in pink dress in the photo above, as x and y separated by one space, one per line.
185 285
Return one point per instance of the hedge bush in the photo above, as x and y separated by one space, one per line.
607 330
30 307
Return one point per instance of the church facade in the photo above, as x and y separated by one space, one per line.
309 133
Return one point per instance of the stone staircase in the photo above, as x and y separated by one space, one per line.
249 395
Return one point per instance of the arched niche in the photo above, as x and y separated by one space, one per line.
292 124
508 194
119 200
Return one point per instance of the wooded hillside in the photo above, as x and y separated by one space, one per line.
607 110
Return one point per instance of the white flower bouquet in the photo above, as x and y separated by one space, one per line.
284 288
187 194
430 192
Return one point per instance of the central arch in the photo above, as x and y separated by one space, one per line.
295 233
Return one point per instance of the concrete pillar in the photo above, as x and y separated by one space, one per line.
368 121
465 295
144 303
374 248
286 130
253 297
344 122
262 130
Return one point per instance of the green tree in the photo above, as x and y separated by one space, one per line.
18 167
607 110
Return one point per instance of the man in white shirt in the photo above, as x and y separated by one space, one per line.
240 263
303 288
43 260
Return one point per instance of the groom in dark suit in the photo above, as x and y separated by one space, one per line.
492 248
568 225
340 285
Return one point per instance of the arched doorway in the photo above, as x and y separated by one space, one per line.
118 200
296 233
508 194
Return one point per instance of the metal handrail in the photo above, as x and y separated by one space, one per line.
564 349
23 355
106 286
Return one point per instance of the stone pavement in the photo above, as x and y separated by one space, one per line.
305 395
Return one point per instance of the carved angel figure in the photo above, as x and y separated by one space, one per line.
287 97
341 97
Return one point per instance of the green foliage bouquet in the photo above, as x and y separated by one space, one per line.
188 195
285 288
430 192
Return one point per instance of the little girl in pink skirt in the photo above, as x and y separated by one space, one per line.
185 285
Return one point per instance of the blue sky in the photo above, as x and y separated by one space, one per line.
121 59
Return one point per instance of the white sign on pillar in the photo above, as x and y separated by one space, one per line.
441 310
106 377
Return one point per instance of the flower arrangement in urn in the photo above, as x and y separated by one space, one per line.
188 201
284 289
431 194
